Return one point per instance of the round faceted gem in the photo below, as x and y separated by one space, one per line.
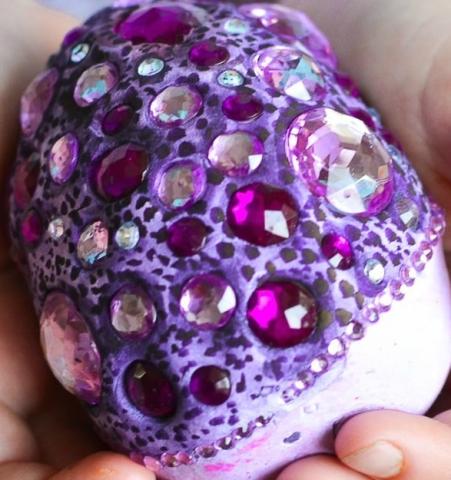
117 119
408 212
32 228
95 83
340 159
150 390
150 66
211 385
187 236
36 100
93 244
208 301
70 349
262 214
176 106
25 181
127 236
63 158
282 313
208 54
236 26
168 25
181 184
132 312
79 52
230 79
291 72
374 270
120 172
242 107
56 228
338 251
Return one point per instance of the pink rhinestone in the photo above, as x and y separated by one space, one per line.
36 100
397 289
92 245
210 385
282 313
208 54
63 158
32 228
370 313
408 275
355 331
117 119
25 181
341 159
187 236
419 261
384 301
70 349
242 107
338 251
94 83
262 215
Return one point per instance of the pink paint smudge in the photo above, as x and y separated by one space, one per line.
219 468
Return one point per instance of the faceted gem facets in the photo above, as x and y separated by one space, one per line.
236 26
127 236
150 390
210 385
176 106
408 212
150 66
282 313
291 72
25 181
340 159
262 215
94 83
36 100
208 301
187 236
132 312
374 270
230 79
79 52
93 243
242 107
32 228
338 251
117 119
70 349
56 228
208 54
63 158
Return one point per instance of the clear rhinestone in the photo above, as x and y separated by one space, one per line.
127 236
374 270
336 347
79 52
408 212
230 79
93 243
236 26
150 66
94 83
56 228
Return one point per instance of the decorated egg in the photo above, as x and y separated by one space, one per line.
228 252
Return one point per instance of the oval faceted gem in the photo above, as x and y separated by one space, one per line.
120 172
187 236
36 100
208 54
291 72
32 228
211 385
340 159
150 390
63 158
236 154
70 349
262 214
282 313
338 251
132 312
127 236
93 243
94 83
117 119
208 301
176 106
150 66
230 79
242 107
25 181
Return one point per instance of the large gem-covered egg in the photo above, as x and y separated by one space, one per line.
228 252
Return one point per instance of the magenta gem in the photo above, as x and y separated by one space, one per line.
117 119
282 313
242 107
150 390
262 214
73 36
208 54
25 181
32 228
338 251
168 25
120 172
187 236
211 385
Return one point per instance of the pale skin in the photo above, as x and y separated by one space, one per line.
398 51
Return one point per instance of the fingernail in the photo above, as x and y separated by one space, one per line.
381 460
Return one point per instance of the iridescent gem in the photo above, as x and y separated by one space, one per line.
70 349
93 244
132 312
262 214
94 83
187 236
32 228
242 107
208 54
127 236
230 79
374 270
36 100
408 212
291 72
210 385
150 66
79 52
56 228
117 119
340 159
282 313
150 390
176 106
338 251
208 301
236 154
63 158
236 26
181 184
25 181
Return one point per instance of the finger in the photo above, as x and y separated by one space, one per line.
389 444
25 471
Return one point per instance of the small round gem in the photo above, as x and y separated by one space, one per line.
208 54
70 349
236 26
181 184
262 215
150 390
230 79
408 212
236 154
187 236
175 106
56 228
79 52
132 312
211 385
338 251
282 313
150 66
127 236
94 83
63 158
242 107
93 244
208 301
117 119
25 181
374 270
32 228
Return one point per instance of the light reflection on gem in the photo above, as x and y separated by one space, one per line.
127 236
63 158
79 52
408 212
230 79
94 83
236 26
150 66
93 244
374 270
56 228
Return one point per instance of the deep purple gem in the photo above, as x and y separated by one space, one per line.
208 54
117 119
187 236
210 385
338 251
25 182
73 36
32 228
242 107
